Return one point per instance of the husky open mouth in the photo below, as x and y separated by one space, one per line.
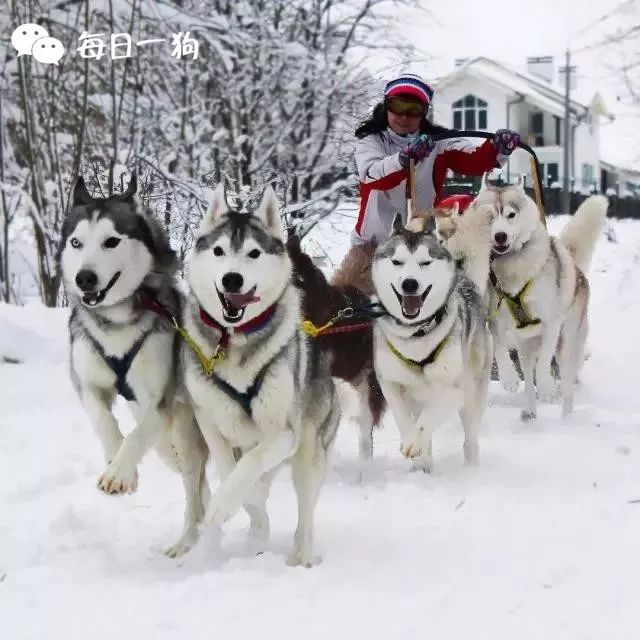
93 298
234 304
500 249
411 304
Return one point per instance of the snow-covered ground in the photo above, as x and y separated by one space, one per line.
540 541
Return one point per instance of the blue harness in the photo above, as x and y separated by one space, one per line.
121 366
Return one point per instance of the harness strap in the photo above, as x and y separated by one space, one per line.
516 304
245 398
121 366
420 364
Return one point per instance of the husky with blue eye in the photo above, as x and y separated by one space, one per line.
432 350
261 388
119 275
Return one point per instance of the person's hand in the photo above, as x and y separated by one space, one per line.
417 150
505 141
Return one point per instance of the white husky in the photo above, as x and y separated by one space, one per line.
267 395
433 350
539 292
119 274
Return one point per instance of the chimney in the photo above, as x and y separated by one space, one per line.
541 67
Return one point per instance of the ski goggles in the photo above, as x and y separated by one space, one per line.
404 107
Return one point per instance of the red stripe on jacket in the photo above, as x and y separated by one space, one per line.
383 184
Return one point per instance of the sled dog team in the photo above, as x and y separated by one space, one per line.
243 367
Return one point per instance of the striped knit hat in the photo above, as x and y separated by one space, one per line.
409 83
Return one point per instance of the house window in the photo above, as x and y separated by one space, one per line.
557 122
469 113
552 173
587 175
536 129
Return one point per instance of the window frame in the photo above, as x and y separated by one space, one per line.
470 111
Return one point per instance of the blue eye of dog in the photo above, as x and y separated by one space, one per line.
254 253
111 243
75 243
397 263
217 251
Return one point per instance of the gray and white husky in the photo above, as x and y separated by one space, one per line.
261 389
118 270
432 351
539 291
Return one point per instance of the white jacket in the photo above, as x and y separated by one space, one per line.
383 181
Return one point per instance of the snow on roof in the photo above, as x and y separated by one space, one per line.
620 139
543 94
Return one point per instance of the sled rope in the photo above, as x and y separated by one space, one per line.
516 304
367 312
208 363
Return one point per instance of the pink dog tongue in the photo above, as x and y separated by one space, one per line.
242 299
411 304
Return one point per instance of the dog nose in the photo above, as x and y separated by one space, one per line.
232 282
86 280
410 286
500 237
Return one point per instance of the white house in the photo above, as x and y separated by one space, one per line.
484 94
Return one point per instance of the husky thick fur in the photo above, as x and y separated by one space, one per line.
118 267
350 353
271 397
539 292
433 351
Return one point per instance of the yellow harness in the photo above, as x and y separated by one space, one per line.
516 304
420 364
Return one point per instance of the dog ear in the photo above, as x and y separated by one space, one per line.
269 211
80 193
397 225
217 207
519 183
454 210
132 188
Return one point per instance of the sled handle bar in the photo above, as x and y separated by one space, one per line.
534 164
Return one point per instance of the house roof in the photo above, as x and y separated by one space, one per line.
537 91
620 140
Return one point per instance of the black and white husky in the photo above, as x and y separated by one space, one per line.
261 390
432 351
118 270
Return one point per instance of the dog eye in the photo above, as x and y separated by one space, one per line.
217 251
255 253
512 215
397 263
111 243
75 243
426 263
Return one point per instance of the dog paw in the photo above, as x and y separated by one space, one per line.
186 541
471 452
423 464
510 382
118 480
300 558
547 389
411 450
